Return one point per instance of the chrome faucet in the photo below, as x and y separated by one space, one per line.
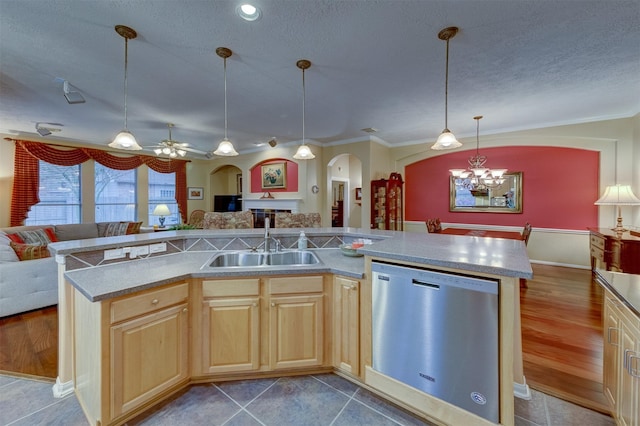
267 236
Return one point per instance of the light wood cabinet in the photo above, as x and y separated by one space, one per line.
346 325
611 328
130 351
231 325
622 361
296 322
148 356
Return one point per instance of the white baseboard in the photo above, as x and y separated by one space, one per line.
60 390
521 390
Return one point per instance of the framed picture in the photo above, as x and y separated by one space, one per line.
274 175
358 194
195 193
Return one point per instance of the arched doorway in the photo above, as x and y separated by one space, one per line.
226 188
344 177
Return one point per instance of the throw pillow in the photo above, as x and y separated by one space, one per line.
7 254
35 237
51 233
116 228
133 227
15 238
30 251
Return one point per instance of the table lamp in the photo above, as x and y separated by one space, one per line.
618 195
161 210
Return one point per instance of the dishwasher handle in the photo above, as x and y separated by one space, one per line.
425 284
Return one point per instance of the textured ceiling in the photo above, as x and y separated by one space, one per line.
522 64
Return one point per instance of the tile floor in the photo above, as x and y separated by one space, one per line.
324 399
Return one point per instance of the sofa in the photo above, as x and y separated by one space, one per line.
28 273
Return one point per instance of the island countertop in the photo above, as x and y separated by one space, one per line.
625 286
466 253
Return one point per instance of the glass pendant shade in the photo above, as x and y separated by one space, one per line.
225 149
125 140
446 140
304 153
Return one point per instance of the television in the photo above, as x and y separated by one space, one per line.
227 203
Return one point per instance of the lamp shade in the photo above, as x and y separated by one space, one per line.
225 149
125 140
618 195
304 153
161 210
446 140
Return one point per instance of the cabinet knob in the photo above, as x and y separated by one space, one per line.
273 304
184 310
155 301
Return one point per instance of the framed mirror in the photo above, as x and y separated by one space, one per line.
503 198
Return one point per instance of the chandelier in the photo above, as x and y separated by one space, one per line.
478 178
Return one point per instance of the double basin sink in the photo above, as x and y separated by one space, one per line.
248 259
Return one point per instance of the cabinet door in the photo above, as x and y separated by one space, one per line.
231 335
346 325
148 355
628 405
296 331
611 329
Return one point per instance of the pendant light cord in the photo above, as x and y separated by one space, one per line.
225 98
304 103
446 88
477 137
126 56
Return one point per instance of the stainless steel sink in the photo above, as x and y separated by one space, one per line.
250 259
298 257
238 259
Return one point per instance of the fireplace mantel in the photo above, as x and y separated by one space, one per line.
292 204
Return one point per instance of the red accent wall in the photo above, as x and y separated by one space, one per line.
559 187
291 176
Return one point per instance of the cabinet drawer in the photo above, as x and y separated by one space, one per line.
302 284
148 302
224 288
597 241
598 253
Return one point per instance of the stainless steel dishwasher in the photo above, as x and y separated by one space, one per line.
438 332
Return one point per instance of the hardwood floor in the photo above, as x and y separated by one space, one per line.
561 337
562 343
29 343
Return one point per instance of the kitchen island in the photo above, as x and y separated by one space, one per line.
124 320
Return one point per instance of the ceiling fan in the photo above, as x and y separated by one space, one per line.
173 148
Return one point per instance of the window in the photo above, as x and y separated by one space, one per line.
115 194
162 190
59 193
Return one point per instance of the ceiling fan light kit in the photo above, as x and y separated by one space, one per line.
125 139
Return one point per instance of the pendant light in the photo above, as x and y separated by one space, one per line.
303 152
225 148
125 139
446 140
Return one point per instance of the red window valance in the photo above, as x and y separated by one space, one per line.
26 172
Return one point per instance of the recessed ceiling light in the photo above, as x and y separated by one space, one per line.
248 12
